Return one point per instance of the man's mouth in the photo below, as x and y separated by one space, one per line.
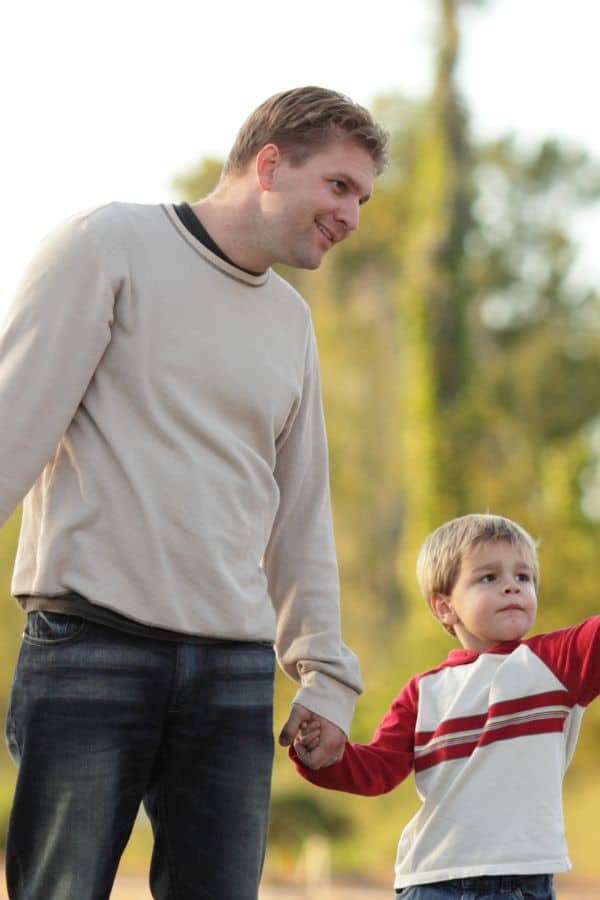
326 232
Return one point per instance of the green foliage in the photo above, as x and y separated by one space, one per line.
199 180
12 617
460 363
297 814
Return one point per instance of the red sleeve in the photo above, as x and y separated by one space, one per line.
573 654
377 767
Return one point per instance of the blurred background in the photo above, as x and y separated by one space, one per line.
459 329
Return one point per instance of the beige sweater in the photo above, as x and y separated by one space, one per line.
161 410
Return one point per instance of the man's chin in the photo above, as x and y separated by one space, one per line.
311 261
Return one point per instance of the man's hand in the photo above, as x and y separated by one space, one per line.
329 748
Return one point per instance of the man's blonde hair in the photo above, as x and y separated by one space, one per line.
442 553
303 121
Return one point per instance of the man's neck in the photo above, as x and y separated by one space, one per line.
232 225
193 224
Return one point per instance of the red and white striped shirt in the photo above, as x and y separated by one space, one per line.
489 737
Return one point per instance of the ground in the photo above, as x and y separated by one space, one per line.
134 887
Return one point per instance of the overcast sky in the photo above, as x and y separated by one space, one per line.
110 100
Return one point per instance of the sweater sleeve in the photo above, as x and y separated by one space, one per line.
378 767
301 567
573 654
54 335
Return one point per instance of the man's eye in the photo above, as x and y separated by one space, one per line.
339 185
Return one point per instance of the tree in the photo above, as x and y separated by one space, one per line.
460 365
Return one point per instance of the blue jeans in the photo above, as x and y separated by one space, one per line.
488 887
100 721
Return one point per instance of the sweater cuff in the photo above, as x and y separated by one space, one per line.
328 698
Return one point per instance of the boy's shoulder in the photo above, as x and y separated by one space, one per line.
455 659
573 655
573 636
458 656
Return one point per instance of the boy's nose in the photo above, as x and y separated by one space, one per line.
512 587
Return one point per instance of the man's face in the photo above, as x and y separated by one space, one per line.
312 206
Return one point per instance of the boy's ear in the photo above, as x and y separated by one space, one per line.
442 609
267 162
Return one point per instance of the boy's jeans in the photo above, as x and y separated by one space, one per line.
488 887
100 721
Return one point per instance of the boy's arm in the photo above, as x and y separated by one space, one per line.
377 767
573 654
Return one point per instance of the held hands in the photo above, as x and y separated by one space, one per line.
317 741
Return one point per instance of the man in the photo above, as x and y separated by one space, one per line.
160 407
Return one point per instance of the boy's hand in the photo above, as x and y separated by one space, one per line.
309 734
331 740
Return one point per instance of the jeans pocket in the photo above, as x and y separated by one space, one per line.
437 891
44 627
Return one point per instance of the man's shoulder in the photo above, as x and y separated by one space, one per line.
110 228
288 292
293 313
116 213
107 217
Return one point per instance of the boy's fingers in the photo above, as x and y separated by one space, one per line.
310 728
298 715
308 741
303 754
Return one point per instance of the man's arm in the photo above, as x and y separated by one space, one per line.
301 567
54 335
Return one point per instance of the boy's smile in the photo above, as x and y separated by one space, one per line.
494 598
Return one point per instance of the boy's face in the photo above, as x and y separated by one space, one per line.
494 598
312 206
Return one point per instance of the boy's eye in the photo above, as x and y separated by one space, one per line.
524 576
487 578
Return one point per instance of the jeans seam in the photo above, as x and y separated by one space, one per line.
20 876
170 866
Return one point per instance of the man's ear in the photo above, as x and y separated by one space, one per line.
442 609
268 160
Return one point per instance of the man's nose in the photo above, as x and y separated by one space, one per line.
349 214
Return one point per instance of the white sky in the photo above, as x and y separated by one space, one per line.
109 100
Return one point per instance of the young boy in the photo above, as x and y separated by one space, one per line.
489 733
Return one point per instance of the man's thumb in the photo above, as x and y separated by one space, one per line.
290 729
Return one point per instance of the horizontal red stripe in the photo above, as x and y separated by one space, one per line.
455 751
466 748
503 708
449 726
519 704
539 726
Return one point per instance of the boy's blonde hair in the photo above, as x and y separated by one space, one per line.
442 553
